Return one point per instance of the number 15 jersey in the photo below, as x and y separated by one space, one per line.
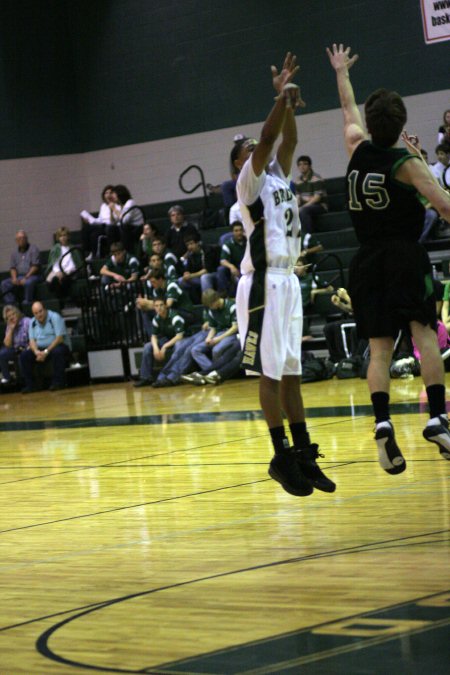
270 213
381 207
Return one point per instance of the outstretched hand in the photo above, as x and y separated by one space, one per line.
287 73
340 58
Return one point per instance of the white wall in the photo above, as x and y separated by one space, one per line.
43 193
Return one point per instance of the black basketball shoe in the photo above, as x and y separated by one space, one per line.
437 432
389 454
285 469
306 460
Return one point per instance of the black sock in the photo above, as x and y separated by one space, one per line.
300 436
380 403
279 439
436 400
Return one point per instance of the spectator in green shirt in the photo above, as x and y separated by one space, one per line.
221 317
120 268
170 290
170 260
168 329
232 252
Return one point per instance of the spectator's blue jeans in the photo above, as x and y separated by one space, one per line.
431 218
225 282
204 355
181 361
9 290
146 370
307 214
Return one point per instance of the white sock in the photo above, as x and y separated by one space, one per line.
386 424
435 420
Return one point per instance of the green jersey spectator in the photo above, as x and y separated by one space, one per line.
232 252
120 268
168 330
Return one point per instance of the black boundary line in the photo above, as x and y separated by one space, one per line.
352 549
150 456
307 629
159 466
42 641
121 461
152 502
353 412
332 653
135 506
115 465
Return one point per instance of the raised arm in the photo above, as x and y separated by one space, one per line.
286 100
288 143
353 125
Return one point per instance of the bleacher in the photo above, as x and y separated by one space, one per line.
333 230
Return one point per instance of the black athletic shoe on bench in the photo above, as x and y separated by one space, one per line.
306 459
285 469
438 433
389 454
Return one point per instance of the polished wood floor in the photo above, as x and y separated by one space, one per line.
140 533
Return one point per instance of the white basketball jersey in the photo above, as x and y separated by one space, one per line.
268 197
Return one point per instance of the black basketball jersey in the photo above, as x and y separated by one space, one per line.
381 207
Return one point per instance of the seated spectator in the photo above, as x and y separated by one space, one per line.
175 296
63 264
444 132
131 218
15 340
226 367
149 232
311 193
442 163
179 229
170 260
195 279
48 341
221 317
311 283
155 262
120 268
181 360
340 335
144 305
232 252
168 329
433 226
24 272
310 248
105 224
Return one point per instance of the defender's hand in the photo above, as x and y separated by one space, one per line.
340 58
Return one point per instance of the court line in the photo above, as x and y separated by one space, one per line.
133 506
351 411
157 454
42 641
204 492
324 554
153 502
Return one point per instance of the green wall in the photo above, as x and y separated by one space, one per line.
84 75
